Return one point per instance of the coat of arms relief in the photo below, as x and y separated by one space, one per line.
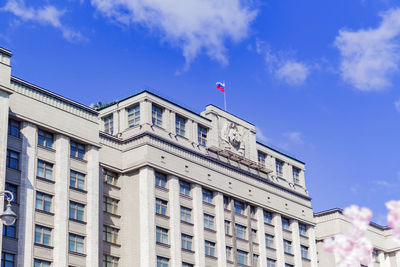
232 136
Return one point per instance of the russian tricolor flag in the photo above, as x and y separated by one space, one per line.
221 86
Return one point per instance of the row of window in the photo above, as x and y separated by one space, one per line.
43 237
279 168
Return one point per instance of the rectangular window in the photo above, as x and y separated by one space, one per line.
207 196
110 234
186 214
9 230
187 242
375 255
267 217
254 235
45 139
227 201
269 241
304 252
279 168
242 257
184 264
240 231
303 229
77 180
41 263
271 262
210 248
43 202
7 259
202 135
184 188
261 158
287 246
110 177
77 150
161 206
42 235
14 128
110 261
44 170
162 262
76 243
109 124
161 180
229 253
180 125
13 189
285 224
255 260
111 205
296 175
76 211
156 114
252 211
227 227
208 221
288 265
239 207
12 160
134 116
161 235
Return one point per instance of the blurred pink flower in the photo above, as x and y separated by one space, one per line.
393 218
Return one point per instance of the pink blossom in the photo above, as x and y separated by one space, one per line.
393 218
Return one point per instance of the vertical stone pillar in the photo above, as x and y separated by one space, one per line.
61 175
189 129
172 121
174 222
397 258
280 256
27 195
220 227
198 220
147 237
261 237
313 247
145 112
296 243
194 132
117 121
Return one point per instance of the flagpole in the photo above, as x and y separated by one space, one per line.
225 96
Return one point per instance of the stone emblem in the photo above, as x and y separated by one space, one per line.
232 137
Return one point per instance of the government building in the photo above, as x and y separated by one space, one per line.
145 182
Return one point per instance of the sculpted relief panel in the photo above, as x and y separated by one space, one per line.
233 136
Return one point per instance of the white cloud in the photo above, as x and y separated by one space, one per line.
370 56
294 137
193 26
260 135
397 105
46 15
292 72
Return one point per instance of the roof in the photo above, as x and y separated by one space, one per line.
284 154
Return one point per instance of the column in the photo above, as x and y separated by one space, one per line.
118 120
397 258
174 222
381 259
189 129
147 226
280 256
220 227
198 220
145 112
296 244
172 120
261 237
313 247
27 195
61 174
92 227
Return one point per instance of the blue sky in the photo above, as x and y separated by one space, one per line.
319 79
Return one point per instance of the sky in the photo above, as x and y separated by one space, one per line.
319 79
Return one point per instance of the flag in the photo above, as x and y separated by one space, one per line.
221 86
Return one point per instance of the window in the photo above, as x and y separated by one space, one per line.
44 170
77 150
240 231
186 214
208 221
110 234
184 264
156 113
184 188
13 189
303 229
180 125
279 168
207 196
239 207
162 262
261 158
229 253
134 116
271 262
161 235
109 124
187 242
242 257
269 241
110 177
110 261
41 263
288 265
45 139
285 224
296 175
161 206
210 248
227 227
42 235
202 135
7 259
76 243
14 127
226 202
252 211
287 246
110 205
161 180
304 252
267 217
9 230
375 254
43 202
254 235
12 159
76 211
77 180
255 260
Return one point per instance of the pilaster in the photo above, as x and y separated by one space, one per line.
145 112
174 222
313 247
381 258
261 237
198 219
220 227
296 243
280 258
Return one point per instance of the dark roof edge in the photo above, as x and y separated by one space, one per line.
286 155
230 114
5 51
